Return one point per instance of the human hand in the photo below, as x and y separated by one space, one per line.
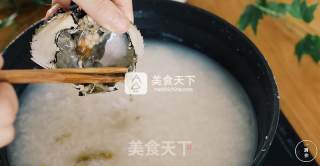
8 111
114 15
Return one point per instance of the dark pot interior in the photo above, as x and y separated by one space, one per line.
200 30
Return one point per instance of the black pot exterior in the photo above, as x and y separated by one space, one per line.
200 30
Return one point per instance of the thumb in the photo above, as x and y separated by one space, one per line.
105 13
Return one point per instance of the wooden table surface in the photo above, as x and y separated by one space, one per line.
299 83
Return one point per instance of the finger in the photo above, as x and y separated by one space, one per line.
6 135
8 98
126 7
52 10
1 61
105 13
7 114
63 3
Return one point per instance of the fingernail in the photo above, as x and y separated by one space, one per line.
52 10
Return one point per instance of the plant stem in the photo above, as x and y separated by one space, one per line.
268 11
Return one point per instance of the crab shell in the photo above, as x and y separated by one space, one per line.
44 47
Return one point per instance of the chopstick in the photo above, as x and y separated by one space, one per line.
67 75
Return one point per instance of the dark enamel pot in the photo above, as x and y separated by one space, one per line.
200 30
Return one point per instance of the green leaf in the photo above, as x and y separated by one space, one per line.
250 17
309 13
300 9
294 9
8 21
309 45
